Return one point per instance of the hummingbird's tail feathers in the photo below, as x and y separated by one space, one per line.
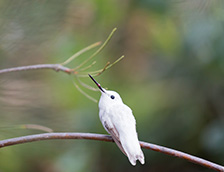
132 161
141 158
134 158
132 148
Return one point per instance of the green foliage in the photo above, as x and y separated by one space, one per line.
171 77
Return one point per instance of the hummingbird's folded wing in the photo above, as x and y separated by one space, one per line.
114 134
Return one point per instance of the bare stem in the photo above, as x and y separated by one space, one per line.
56 67
107 138
61 67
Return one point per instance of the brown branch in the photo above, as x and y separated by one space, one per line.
56 67
107 138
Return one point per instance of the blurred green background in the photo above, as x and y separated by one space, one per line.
172 77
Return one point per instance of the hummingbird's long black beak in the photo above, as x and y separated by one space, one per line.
98 85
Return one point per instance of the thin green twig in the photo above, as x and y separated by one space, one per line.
119 59
29 126
81 52
105 68
36 127
84 93
85 85
97 51
98 72
87 67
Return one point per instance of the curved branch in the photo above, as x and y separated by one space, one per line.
56 67
107 138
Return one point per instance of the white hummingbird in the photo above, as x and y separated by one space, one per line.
119 122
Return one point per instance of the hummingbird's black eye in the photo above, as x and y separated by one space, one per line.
112 97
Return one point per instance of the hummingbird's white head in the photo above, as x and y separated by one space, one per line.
107 97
